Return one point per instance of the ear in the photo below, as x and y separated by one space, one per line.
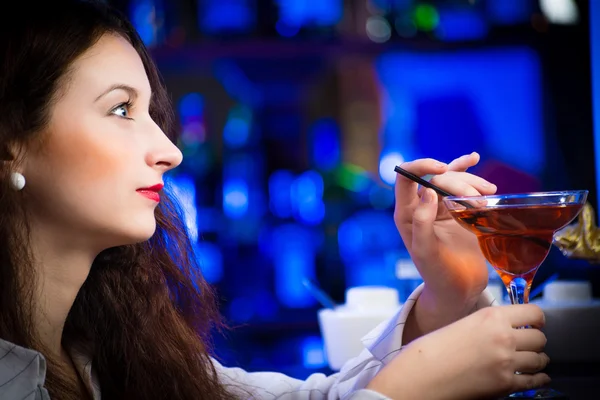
13 155
6 154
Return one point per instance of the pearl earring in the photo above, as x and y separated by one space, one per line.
17 181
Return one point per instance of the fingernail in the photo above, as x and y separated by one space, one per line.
439 164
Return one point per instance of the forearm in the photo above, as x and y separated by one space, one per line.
432 312
405 373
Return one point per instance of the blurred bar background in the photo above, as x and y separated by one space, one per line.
294 113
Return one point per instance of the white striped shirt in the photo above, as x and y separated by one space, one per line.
23 371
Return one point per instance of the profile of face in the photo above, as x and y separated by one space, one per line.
100 148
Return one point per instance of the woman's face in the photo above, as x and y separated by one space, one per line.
101 148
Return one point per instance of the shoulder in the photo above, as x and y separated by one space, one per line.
22 372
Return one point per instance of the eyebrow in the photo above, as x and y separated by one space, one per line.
132 92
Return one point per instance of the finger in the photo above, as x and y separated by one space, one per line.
524 315
530 362
465 162
406 190
458 187
530 340
523 382
464 184
423 236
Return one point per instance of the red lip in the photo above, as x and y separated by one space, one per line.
154 188
151 192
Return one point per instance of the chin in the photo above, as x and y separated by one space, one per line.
147 234
140 232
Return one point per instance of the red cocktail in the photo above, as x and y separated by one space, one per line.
516 231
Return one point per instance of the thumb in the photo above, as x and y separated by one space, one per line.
424 244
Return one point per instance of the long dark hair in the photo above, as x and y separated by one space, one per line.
144 313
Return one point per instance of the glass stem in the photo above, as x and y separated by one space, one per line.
518 290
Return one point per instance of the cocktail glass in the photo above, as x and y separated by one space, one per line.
515 233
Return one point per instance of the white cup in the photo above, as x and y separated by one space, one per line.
343 327
571 292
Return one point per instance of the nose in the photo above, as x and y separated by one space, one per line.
163 154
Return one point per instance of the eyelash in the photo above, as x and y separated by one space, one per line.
126 105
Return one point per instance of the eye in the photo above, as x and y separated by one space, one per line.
122 110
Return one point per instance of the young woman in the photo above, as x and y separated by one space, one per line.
98 292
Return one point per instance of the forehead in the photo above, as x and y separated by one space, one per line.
112 59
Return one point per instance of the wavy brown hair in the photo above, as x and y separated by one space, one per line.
144 313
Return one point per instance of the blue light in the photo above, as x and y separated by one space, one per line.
350 237
243 196
286 30
235 198
237 128
367 242
326 152
143 16
242 165
210 260
497 91
307 197
457 25
371 271
306 12
191 105
509 11
367 233
208 219
292 267
312 213
241 309
313 353
293 259
184 190
381 198
236 83
236 132
399 120
226 16
387 163
307 187
280 189
266 305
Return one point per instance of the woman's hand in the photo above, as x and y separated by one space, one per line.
447 256
473 358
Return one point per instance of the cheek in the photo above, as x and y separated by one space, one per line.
87 184
79 169
88 157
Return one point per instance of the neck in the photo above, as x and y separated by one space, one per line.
61 270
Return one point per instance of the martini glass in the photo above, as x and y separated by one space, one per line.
515 234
